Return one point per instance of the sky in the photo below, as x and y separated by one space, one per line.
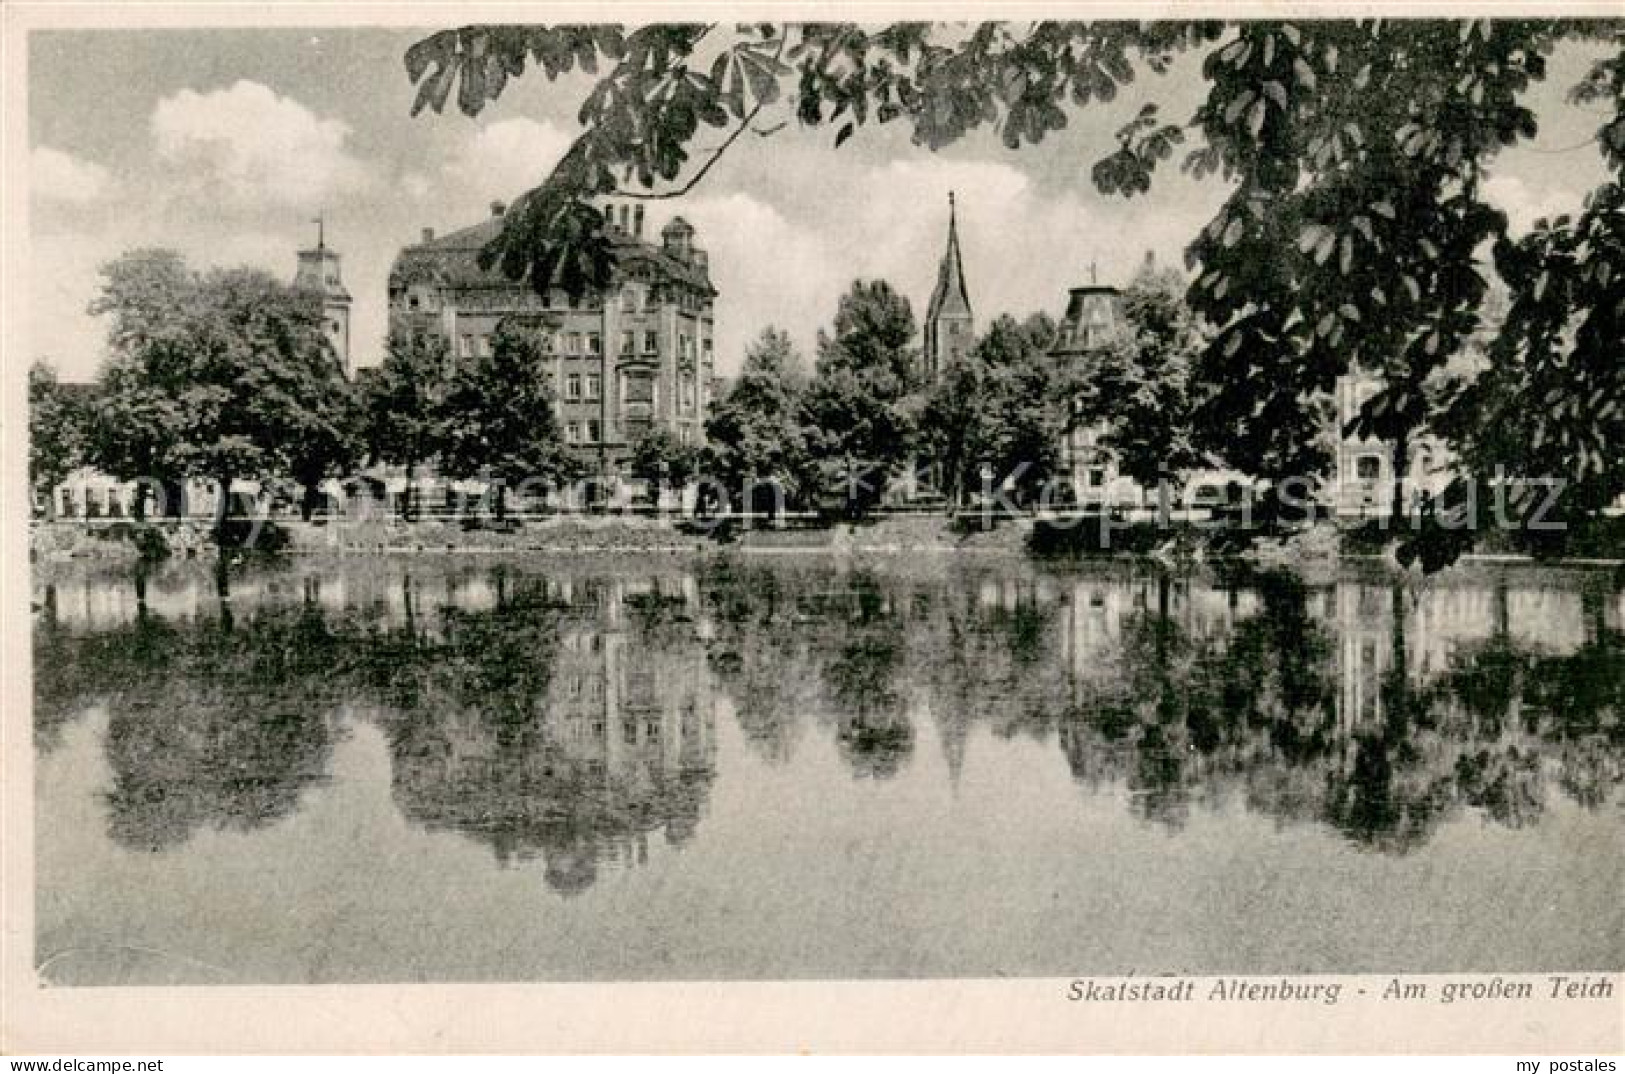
225 144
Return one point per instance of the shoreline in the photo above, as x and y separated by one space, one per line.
618 538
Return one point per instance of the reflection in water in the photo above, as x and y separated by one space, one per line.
548 726
569 716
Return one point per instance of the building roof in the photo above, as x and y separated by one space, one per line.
312 273
950 299
453 260
1094 317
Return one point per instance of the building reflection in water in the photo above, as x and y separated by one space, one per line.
607 740
570 716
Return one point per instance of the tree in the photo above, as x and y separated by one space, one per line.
1552 402
497 419
1030 397
955 425
217 375
332 441
755 430
860 430
1005 406
136 431
1145 391
400 400
874 332
55 432
661 459
1355 150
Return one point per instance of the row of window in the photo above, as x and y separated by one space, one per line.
578 387
470 345
588 387
631 301
577 432
592 432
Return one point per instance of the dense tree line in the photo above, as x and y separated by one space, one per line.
992 423
226 375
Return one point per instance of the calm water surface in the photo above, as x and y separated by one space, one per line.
444 770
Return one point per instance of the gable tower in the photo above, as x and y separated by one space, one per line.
319 271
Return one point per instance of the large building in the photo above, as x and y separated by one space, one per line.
634 357
1364 476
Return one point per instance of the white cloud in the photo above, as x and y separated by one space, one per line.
252 147
767 270
502 161
1524 204
62 177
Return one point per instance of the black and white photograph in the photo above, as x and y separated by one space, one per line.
1137 503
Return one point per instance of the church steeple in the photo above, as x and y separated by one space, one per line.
948 319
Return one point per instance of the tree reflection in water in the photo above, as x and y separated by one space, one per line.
207 727
570 717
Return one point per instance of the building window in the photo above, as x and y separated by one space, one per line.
705 348
572 432
485 346
1368 468
412 302
688 393
638 389
572 343
1097 477
594 384
595 343
572 386
651 342
628 342
465 346
592 432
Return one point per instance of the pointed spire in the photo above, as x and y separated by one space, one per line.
951 297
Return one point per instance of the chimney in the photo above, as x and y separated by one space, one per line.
637 221
498 208
428 234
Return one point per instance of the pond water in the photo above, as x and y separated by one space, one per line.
422 769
